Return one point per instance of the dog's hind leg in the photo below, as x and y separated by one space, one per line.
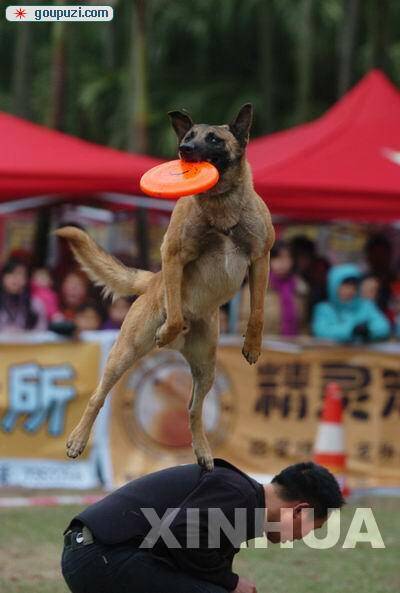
136 338
200 352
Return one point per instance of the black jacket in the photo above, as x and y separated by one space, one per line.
118 518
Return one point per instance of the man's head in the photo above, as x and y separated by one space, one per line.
300 498
223 145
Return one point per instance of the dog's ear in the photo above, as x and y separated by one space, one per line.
181 122
240 126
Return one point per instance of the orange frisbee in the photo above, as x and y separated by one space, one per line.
179 178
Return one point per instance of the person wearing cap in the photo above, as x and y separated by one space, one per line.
177 530
346 316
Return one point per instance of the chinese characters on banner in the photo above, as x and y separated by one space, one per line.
43 391
260 417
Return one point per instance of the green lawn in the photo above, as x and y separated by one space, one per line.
30 545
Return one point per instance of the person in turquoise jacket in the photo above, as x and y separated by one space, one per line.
346 317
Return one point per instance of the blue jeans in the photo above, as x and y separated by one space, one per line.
97 568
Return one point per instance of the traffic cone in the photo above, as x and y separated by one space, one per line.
329 448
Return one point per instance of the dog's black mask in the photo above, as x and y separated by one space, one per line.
223 146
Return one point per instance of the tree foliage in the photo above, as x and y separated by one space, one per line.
113 82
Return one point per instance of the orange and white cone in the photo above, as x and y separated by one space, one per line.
329 448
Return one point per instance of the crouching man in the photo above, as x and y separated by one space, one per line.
177 530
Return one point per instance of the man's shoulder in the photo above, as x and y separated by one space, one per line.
235 476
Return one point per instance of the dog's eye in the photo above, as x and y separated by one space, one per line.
189 136
213 138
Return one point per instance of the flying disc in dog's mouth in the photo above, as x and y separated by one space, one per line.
179 178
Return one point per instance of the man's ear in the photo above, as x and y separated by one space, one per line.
181 122
297 509
240 126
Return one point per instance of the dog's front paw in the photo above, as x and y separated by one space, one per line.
204 457
251 352
166 333
76 443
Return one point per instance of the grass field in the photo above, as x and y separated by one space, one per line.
30 545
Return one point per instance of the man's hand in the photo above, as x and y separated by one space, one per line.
245 586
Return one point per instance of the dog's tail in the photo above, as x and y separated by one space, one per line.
102 268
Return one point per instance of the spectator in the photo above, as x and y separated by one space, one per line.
116 313
285 305
88 317
311 267
370 287
18 311
74 293
346 316
42 290
394 308
379 256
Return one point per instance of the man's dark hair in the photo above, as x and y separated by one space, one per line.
312 483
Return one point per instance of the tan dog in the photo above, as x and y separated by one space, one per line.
212 240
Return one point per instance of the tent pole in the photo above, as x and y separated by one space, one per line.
41 241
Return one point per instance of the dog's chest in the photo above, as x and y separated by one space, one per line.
226 256
228 243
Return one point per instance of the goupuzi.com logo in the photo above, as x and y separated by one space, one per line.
40 13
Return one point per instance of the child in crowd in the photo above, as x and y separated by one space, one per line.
116 313
346 316
370 287
42 290
19 311
88 317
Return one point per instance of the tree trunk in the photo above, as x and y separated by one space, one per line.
304 60
265 18
379 33
22 71
58 76
137 92
347 42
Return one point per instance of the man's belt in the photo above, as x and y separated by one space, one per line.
77 537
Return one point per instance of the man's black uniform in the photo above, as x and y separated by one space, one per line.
113 563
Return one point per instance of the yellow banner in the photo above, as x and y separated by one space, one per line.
43 391
261 417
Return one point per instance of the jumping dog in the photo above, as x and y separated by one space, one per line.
212 241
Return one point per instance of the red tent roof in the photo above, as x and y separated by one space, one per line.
35 160
346 164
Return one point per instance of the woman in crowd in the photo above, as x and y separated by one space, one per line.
18 310
74 293
286 298
346 316
311 267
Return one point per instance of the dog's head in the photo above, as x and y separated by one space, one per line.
223 146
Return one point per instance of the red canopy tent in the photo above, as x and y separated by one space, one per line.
344 165
37 161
